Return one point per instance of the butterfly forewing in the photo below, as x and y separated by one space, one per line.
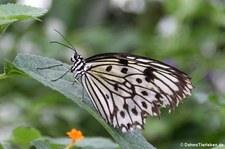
126 88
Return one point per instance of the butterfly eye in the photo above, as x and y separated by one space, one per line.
72 59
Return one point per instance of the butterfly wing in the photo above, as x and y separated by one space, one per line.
126 88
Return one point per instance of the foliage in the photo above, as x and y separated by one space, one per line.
10 13
11 71
24 137
30 63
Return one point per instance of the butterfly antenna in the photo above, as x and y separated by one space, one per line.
71 45
62 44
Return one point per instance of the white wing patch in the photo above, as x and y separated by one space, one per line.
125 89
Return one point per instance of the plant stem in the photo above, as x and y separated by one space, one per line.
70 145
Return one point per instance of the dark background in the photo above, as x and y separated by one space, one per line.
189 34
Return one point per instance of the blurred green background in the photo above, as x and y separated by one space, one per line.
189 34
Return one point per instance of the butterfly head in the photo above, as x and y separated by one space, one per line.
78 63
74 57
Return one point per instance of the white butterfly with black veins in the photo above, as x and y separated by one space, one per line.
126 88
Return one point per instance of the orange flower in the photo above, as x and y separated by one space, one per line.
75 134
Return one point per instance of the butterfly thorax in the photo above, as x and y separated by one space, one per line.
78 64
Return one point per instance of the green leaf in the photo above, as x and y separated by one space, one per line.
74 91
7 21
95 143
10 13
8 145
40 144
11 71
24 135
17 11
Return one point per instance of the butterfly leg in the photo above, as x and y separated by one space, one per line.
53 66
61 76
49 67
76 80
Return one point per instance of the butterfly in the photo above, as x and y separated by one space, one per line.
125 88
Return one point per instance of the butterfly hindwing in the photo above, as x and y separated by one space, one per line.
126 88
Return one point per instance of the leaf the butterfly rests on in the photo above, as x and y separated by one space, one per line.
126 88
